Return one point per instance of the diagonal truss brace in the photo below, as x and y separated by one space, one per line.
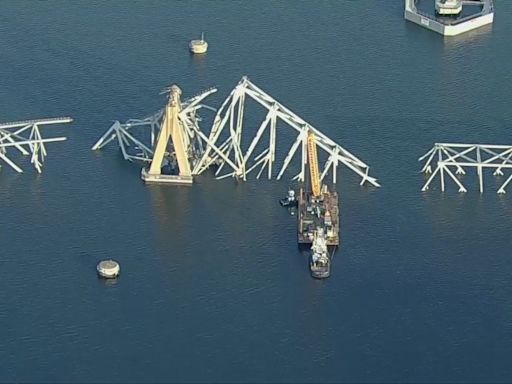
133 148
229 151
25 137
225 145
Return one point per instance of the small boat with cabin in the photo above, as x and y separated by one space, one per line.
320 262
289 200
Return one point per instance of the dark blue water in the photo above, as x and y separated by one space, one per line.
213 287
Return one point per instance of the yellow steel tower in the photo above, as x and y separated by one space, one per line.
172 131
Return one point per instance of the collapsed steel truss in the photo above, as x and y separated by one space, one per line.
224 146
230 151
133 148
25 137
459 156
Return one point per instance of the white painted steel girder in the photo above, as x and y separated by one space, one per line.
454 159
25 137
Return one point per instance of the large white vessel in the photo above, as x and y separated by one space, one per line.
198 46
448 7
320 263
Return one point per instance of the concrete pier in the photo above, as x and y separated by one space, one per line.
451 27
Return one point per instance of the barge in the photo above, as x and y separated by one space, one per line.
320 211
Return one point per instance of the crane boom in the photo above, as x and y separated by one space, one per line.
313 165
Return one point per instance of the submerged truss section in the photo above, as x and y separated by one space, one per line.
225 147
25 137
452 159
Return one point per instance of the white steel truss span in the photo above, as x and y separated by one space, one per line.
452 159
229 151
223 145
25 137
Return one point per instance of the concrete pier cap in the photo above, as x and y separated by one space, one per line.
451 27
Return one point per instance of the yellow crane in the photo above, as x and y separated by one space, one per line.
313 165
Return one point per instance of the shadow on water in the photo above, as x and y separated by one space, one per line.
200 62
170 204
505 204
108 282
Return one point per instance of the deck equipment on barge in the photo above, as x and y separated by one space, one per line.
318 208
318 211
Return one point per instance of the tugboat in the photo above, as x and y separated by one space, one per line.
290 200
320 263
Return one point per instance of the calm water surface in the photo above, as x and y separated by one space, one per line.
213 287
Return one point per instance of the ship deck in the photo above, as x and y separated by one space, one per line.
311 215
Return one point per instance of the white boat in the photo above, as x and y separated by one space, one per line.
198 46
448 7
289 200
320 263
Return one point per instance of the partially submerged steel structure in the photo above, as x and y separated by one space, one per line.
134 148
25 137
452 159
183 143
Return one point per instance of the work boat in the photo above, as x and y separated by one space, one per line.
198 46
289 200
320 263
